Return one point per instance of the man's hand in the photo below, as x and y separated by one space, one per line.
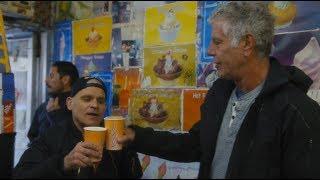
128 137
53 104
84 154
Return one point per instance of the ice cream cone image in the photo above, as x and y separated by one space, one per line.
93 38
284 13
170 27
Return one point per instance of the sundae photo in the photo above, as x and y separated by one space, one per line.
284 13
170 27
167 68
93 38
152 111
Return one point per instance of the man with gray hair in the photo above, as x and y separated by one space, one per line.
256 121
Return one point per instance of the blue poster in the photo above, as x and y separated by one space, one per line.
8 87
106 77
209 7
95 62
62 41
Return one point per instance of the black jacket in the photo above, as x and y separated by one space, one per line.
279 137
43 119
45 156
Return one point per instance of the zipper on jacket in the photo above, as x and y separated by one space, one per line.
310 143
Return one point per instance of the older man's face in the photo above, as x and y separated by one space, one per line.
88 107
229 60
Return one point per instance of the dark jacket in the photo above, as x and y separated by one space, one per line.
45 157
279 137
43 119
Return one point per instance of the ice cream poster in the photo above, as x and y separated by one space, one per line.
106 77
295 15
89 63
92 36
170 66
209 7
157 168
63 41
173 23
301 50
156 108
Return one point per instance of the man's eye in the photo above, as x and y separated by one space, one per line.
101 101
86 99
216 42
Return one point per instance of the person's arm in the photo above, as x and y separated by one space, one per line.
34 128
42 160
180 147
36 162
301 142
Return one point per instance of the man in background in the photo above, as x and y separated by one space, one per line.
59 82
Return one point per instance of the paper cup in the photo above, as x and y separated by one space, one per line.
95 135
115 129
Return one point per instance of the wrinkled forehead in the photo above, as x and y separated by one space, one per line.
91 91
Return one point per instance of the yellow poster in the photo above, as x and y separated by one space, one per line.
156 108
92 36
4 59
170 66
172 23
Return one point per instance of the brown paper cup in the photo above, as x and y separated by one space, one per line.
115 128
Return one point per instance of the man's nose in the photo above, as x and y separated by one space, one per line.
46 81
211 50
94 103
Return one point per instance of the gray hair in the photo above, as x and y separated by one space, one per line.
247 17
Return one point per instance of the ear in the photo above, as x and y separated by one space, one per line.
69 103
248 44
66 80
